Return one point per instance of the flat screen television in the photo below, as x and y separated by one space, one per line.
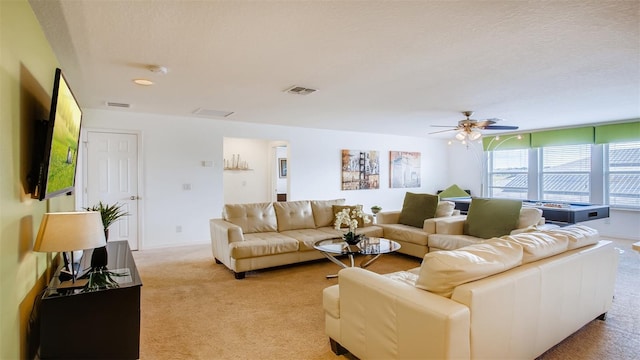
56 146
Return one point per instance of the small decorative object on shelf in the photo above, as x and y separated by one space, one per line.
349 217
375 209
235 163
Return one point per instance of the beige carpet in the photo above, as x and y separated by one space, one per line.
195 309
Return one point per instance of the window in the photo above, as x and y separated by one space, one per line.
622 174
566 172
508 173
599 174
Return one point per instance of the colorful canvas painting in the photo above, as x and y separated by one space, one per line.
404 169
360 170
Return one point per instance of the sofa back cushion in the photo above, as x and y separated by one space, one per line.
252 218
416 208
442 271
323 211
539 245
489 218
529 216
578 235
294 215
445 208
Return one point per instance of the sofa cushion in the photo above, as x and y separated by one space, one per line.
263 244
405 233
442 271
323 211
293 215
416 208
489 218
578 235
445 208
308 237
453 191
539 245
529 216
451 242
339 208
252 218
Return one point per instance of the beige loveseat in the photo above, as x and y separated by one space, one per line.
414 240
261 235
505 298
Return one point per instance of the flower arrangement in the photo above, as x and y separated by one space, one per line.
349 217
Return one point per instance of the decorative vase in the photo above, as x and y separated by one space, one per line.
99 256
352 238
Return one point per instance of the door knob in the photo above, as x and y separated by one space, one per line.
133 197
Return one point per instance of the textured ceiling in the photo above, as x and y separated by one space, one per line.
394 67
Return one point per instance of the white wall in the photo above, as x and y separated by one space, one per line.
248 186
175 147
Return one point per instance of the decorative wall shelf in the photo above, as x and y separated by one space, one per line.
236 164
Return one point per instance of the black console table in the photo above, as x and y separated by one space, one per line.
101 324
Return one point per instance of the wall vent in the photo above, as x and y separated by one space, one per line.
211 113
117 104
299 90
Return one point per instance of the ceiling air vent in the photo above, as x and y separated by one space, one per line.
117 104
211 113
299 90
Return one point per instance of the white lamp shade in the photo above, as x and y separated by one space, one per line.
461 135
69 231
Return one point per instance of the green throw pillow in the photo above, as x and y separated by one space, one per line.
489 218
452 192
416 208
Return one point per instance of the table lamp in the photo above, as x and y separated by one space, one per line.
70 231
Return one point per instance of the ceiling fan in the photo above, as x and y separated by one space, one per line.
469 128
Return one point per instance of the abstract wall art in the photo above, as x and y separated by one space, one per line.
360 169
404 169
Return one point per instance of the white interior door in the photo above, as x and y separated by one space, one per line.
112 177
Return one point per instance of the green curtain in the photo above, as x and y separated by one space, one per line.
618 132
574 136
506 142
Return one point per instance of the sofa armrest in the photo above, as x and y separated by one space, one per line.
450 225
222 234
383 318
388 217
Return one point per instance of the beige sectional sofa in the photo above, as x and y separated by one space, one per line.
261 235
504 298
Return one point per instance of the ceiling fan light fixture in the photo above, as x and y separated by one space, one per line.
461 136
475 135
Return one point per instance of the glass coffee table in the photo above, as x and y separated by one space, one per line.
370 247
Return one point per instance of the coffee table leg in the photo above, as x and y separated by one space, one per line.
364 263
338 262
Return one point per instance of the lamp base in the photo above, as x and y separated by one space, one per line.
79 283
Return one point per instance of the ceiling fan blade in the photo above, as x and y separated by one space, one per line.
449 126
501 127
441 131
484 123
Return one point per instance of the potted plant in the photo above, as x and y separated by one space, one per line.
376 209
350 218
109 215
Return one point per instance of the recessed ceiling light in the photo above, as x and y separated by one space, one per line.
143 82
